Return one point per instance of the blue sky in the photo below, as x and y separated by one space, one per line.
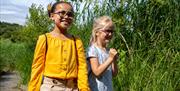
16 11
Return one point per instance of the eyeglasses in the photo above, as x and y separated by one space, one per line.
64 13
107 31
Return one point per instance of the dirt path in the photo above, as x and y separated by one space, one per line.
10 81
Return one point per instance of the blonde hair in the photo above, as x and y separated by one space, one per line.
101 23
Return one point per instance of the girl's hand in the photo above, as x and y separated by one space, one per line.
113 54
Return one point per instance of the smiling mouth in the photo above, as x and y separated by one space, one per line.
67 21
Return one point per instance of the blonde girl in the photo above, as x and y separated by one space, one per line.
59 62
101 60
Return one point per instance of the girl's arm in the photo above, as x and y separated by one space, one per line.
37 65
97 68
82 67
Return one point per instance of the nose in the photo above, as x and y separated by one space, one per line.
70 19
66 16
110 33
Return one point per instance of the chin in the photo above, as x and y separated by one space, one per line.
65 26
107 41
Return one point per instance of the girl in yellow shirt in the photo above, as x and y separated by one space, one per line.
59 61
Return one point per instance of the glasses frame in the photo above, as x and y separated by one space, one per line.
107 31
63 13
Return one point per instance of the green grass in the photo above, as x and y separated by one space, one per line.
15 57
7 57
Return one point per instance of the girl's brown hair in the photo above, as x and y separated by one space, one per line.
51 8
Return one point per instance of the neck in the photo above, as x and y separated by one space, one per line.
63 31
59 31
100 44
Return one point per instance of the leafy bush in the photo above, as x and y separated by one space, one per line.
7 57
15 56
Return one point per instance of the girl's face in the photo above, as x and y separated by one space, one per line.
105 35
63 16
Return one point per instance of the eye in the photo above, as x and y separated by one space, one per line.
110 31
62 12
70 14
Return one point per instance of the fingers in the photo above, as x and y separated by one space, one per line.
113 51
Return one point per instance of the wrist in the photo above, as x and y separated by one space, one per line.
110 59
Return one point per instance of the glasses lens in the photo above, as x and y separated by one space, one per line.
70 14
108 31
63 13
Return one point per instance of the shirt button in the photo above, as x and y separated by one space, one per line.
64 68
65 51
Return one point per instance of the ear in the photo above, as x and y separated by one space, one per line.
97 33
52 16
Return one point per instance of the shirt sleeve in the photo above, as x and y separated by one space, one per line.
37 65
92 52
82 67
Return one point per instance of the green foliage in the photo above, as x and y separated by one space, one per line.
149 35
38 23
24 57
15 56
9 31
6 57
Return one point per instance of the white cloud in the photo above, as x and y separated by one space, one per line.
12 19
7 12
15 11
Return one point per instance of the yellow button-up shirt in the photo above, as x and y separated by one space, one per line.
59 61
